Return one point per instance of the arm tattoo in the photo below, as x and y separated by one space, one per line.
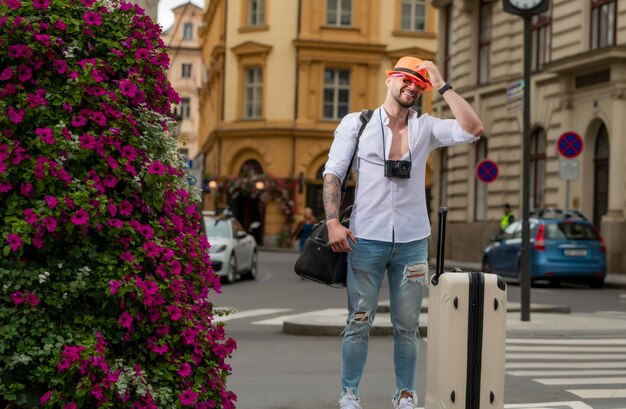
332 196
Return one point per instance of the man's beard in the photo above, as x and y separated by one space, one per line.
403 104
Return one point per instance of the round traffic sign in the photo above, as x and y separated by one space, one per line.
487 171
570 144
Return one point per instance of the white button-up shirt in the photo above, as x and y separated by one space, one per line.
390 209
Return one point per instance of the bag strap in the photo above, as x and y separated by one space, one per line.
365 117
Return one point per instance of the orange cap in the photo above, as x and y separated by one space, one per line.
408 66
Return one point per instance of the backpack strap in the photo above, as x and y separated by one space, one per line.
365 117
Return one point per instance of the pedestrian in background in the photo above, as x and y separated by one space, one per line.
507 218
389 225
304 227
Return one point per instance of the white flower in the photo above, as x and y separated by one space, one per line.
42 278
64 295
60 265
5 287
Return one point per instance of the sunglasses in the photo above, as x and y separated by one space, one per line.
409 80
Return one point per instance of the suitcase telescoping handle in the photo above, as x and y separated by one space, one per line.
441 244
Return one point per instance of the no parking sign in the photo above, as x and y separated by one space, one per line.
570 144
487 171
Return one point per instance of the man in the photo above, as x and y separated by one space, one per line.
389 226
507 218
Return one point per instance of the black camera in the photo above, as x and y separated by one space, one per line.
398 169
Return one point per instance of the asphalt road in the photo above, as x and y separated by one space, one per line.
273 370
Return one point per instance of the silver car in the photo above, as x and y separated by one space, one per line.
233 250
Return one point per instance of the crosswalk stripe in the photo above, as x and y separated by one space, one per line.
330 312
556 348
252 313
581 341
566 357
583 381
561 365
546 405
572 372
599 393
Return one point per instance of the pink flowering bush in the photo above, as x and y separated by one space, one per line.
104 271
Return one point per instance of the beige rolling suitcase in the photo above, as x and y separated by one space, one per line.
466 337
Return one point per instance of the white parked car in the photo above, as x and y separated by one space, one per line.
233 250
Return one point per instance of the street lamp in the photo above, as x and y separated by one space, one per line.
526 9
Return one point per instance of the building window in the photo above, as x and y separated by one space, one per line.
188 31
413 15
253 91
186 70
443 176
480 198
602 23
339 13
256 12
484 44
541 40
336 93
184 110
538 161
447 41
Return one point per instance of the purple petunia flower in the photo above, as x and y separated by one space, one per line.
184 370
5 186
14 241
156 168
60 66
80 217
60 25
125 320
127 256
16 116
45 397
99 118
114 285
87 141
41 4
24 73
79 120
14 4
6 74
88 3
51 201
92 18
128 88
70 405
50 223
188 397
45 135
29 215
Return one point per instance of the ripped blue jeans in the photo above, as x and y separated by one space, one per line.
407 269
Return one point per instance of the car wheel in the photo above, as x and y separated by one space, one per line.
487 266
596 283
252 273
231 276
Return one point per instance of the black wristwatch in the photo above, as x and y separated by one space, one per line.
444 88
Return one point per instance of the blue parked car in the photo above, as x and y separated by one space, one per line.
564 246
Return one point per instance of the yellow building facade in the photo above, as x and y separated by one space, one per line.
280 74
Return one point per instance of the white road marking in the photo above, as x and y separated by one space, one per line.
599 393
561 365
571 372
583 381
556 348
581 341
251 313
567 357
330 312
546 405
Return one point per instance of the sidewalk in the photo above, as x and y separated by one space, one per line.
545 320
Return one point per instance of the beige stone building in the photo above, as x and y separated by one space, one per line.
578 84
280 76
186 74
150 6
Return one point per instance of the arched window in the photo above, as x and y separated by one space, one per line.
537 168
251 167
480 197
601 176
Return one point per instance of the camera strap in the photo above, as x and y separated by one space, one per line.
382 132
365 117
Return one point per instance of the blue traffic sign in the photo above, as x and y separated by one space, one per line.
487 171
570 145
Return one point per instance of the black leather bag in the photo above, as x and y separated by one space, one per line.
318 262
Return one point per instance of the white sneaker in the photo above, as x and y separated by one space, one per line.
405 403
349 402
